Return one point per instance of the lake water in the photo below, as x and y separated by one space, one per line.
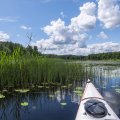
61 104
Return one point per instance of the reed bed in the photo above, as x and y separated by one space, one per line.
23 71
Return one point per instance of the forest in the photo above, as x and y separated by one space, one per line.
9 47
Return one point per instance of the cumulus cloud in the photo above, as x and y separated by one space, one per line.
104 47
74 49
109 13
102 35
72 38
4 36
25 27
64 38
86 19
59 33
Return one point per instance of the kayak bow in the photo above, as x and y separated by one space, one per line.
93 106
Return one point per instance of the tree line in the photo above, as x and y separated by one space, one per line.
9 47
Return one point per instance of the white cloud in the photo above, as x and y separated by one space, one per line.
104 47
47 47
71 38
61 36
4 36
102 35
109 13
86 19
25 27
8 19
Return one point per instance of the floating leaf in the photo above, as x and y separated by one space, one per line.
114 86
51 96
63 103
117 90
63 86
22 90
69 85
2 96
57 92
4 90
78 88
40 86
78 92
24 104
47 87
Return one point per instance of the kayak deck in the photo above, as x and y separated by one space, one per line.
91 92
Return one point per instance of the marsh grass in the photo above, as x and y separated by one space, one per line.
25 71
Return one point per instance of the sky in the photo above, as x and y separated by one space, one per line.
77 27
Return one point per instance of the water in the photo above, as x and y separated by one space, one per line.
42 106
61 104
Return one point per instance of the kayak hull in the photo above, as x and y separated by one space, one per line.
91 92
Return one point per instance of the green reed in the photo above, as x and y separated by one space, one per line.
22 71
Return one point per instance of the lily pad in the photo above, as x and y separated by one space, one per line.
2 96
69 85
57 92
63 103
22 90
63 86
44 83
32 86
4 90
117 90
114 86
51 96
40 86
104 87
47 87
78 88
78 92
24 104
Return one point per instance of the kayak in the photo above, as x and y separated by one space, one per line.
93 106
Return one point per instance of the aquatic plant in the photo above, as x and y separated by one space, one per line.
63 103
24 104
22 90
2 96
26 71
117 90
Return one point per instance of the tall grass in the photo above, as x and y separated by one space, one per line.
21 71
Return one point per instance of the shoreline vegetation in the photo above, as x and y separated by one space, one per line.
21 71
22 68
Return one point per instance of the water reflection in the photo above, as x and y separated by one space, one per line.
107 80
59 103
43 105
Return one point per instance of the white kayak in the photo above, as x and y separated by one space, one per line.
93 106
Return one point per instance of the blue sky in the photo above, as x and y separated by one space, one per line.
77 27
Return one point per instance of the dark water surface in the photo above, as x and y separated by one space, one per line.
60 104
